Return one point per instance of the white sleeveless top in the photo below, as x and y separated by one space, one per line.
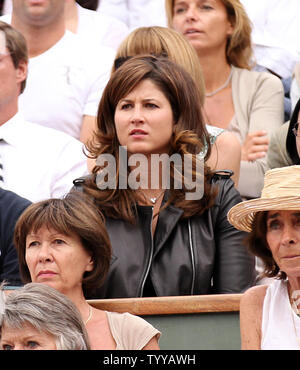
279 321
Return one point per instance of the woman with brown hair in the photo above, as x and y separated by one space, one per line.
269 314
64 243
248 103
166 221
226 148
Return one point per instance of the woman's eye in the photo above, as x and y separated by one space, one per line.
59 241
32 244
179 10
274 225
125 106
32 345
207 7
7 347
151 105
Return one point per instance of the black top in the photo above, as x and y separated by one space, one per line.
203 254
11 207
291 146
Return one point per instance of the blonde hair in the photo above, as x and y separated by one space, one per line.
162 41
239 47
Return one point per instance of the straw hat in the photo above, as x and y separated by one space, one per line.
281 192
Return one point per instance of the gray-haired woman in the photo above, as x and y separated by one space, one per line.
38 317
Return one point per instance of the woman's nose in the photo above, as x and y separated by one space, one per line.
137 115
288 234
44 253
192 14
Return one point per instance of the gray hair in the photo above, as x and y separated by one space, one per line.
47 310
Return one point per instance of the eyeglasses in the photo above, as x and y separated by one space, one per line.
295 129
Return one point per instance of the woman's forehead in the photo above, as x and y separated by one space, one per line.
283 213
2 43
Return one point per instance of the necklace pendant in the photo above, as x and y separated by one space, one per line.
153 200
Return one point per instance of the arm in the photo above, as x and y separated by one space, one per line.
87 128
251 307
226 155
152 344
265 113
234 269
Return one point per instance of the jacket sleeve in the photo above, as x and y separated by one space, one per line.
234 270
263 109
11 208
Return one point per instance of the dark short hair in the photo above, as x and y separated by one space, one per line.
258 246
75 214
88 4
16 45
291 146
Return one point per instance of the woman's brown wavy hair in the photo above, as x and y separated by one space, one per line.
189 135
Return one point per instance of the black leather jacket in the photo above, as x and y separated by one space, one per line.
200 255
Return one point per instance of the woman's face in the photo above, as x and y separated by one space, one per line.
203 22
26 338
283 237
57 260
144 120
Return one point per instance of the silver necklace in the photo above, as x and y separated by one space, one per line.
153 200
221 87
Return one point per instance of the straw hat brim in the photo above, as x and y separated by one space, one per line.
241 215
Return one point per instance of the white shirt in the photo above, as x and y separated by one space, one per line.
65 83
136 13
39 162
106 29
100 29
275 33
280 324
7 7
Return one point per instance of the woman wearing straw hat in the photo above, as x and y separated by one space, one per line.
269 314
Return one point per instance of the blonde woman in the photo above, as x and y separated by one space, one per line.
248 103
226 151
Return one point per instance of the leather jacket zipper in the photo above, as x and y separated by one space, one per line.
149 262
192 257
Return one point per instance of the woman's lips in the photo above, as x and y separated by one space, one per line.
46 273
138 132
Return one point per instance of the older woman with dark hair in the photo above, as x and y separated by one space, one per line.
248 103
167 221
38 317
269 314
64 243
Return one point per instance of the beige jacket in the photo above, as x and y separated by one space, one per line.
258 99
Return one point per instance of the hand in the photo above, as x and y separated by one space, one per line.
255 146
